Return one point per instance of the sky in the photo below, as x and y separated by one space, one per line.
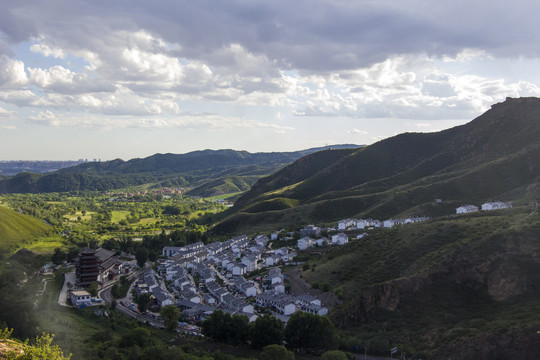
131 78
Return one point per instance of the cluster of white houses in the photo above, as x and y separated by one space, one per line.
202 278
496 205
354 224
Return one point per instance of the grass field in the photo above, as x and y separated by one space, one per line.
87 216
119 215
45 245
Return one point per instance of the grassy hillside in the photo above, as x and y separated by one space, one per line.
494 157
17 230
441 287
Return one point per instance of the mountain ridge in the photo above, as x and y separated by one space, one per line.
389 177
190 169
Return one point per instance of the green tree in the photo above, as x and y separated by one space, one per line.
141 255
42 349
334 355
216 326
143 301
238 333
307 331
93 288
276 352
170 314
58 256
266 330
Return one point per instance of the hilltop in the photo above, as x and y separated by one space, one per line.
495 156
228 170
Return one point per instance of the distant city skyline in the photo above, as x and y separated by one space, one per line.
106 80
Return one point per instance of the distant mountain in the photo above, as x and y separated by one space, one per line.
495 156
192 169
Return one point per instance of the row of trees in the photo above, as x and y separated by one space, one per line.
304 331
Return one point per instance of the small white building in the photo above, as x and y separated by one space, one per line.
275 276
340 239
496 205
80 298
466 209
305 243
345 224
239 269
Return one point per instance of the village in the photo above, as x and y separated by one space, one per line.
238 276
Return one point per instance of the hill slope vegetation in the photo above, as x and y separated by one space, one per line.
17 229
496 156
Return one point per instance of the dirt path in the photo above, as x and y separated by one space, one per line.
299 286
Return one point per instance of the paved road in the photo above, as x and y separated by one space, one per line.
107 297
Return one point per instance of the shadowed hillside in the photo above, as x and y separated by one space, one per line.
495 156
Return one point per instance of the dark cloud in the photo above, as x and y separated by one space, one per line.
305 34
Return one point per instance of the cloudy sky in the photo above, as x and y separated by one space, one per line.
130 78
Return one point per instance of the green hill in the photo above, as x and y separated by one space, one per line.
496 156
17 229
462 287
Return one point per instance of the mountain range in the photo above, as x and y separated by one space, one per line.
494 157
209 172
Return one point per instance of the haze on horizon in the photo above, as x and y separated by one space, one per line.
95 79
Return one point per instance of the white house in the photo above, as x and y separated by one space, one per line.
495 205
339 239
239 269
305 243
388 223
285 307
278 288
345 224
465 209
360 223
272 260
80 298
248 289
251 263
275 276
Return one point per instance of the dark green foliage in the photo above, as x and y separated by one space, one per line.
223 327
266 330
93 288
143 301
141 255
138 336
307 331
170 314
334 355
276 352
